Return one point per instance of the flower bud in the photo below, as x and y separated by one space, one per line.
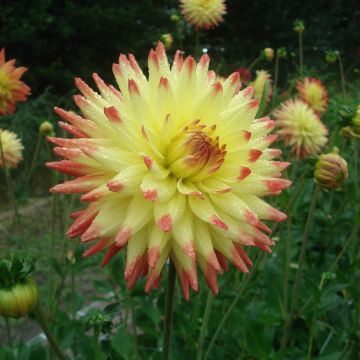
331 171
268 54
175 18
18 300
356 121
331 56
167 40
18 291
299 26
282 53
46 128
347 132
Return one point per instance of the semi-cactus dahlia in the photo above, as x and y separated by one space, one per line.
12 89
300 128
204 14
313 92
10 149
173 165
262 76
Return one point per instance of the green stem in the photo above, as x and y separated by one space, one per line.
254 62
197 44
287 265
41 318
342 75
8 331
204 325
232 305
301 54
35 156
97 350
276 77
133 328
169 310
295 291
9 188
313 320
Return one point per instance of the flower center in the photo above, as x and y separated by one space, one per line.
195 152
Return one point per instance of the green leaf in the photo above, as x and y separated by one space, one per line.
122 343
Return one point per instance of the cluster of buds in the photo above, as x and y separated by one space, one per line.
299 26
331 170
18 291
351 118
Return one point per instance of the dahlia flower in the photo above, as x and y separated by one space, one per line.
314 93
300 128
10 149
12 89
204 14
173 165
262 76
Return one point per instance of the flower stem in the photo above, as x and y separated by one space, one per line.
232 305
41 318
169 310
287 264
8 331
295 291
301 54
133 328
97 350
12 198
197 44
254 62
204 325
276 77
342 75
35 156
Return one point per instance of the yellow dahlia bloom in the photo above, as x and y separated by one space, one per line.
204 14
262 76
300 128
173 165
12 89
10 149
314 93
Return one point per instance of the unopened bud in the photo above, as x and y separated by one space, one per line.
268 54
18 291
46 128
331 171
299 26
282 53
167 40
175 18
331 57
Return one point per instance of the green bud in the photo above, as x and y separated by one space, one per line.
175 18
349 132
268 54
331 171
46 128
18 300
331 56
298 26
167 40
281 53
